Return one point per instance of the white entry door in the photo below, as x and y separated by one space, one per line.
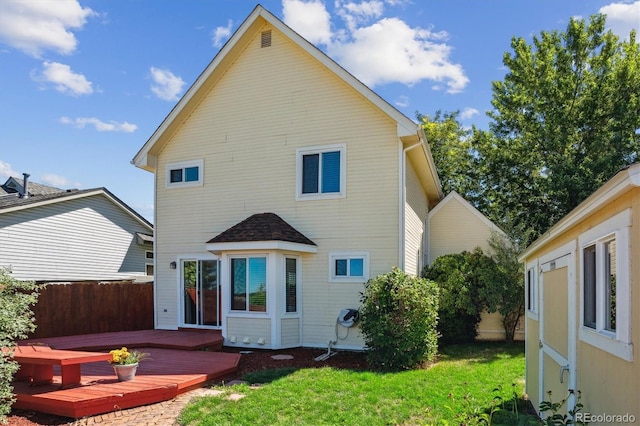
557 356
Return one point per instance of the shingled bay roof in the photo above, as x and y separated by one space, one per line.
262 227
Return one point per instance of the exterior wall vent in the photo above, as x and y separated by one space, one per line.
265 39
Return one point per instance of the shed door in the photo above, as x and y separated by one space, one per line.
557 331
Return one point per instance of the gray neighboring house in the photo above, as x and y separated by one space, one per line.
49 234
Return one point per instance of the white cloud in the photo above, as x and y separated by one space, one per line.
357 13
63 79
622 18
6 170
166 85
468 112
36 26
221 34
99 125
378 50
391 51
402 101
309 19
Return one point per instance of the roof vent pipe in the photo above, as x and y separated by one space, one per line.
25 186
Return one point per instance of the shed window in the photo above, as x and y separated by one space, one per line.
605 286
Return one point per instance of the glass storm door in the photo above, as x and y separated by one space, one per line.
202 301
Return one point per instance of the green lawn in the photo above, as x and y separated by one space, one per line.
462 381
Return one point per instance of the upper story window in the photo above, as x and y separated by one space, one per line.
321 172
185 173
349 267
604 286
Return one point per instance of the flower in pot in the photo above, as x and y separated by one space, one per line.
125 362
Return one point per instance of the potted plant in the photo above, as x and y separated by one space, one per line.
125 362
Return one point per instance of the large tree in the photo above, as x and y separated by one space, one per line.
566 117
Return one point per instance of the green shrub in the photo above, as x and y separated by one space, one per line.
469 282
16 322
398 320
459 307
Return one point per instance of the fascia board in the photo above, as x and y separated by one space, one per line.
261 245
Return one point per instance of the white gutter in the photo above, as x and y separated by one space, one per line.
403 199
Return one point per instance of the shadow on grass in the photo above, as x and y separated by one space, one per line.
481 352
267 376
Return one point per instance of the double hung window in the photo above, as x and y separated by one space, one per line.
321 172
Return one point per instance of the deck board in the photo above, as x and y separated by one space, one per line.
164 375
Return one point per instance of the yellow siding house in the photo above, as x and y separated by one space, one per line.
583 306
282 184
454 226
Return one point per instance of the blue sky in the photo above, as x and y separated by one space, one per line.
83 84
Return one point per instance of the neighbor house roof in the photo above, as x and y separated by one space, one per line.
263 230
409 131
13 202
15 185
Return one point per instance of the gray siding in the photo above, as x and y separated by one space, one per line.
77 239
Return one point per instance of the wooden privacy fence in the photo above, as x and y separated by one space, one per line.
93 307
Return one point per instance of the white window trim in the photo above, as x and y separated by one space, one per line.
617 343
533 312
333 256
146 254
183 165
300 152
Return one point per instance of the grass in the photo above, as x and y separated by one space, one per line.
462 381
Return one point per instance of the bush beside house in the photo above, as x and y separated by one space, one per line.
16 322
398 319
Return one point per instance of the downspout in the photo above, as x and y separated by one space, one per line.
403 200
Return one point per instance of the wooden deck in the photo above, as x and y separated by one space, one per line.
173 368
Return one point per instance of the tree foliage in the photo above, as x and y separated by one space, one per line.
452 152
565 119
506 295
398 318
16 322
469 283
